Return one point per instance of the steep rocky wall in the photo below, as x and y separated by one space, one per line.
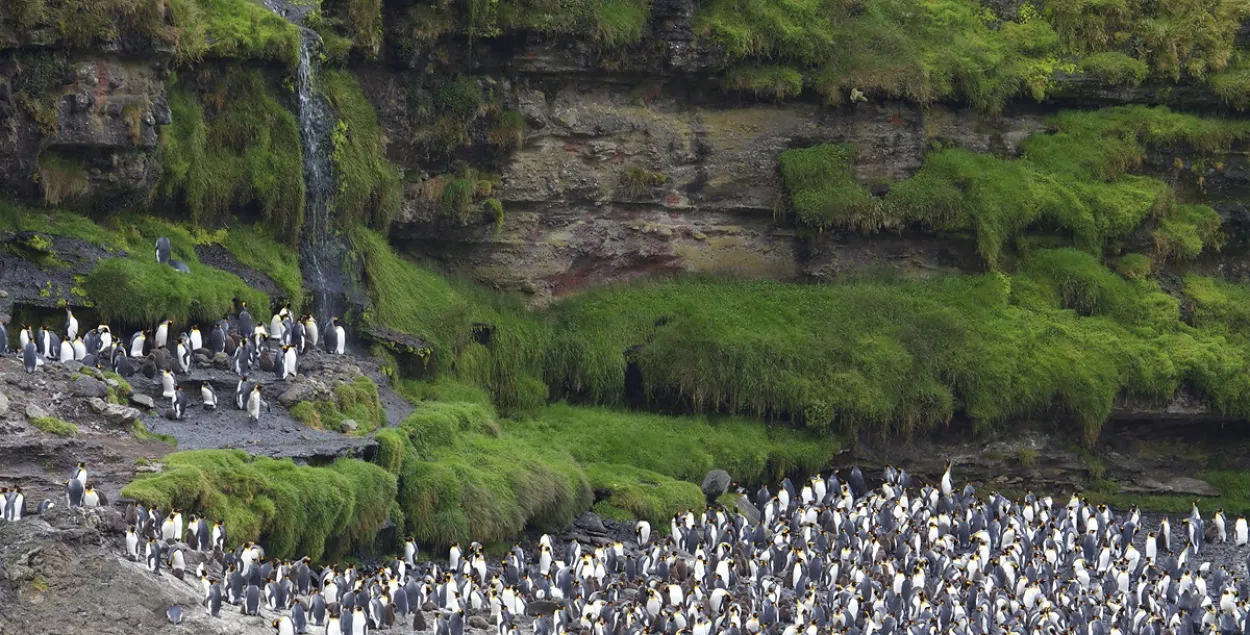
574 216
80 130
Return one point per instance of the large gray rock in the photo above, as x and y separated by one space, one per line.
4 405
143 400
114 414
35 412
715 484
88 387
298 392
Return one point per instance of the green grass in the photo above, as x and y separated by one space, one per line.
283 505
62 179
52 425
634 494
356 400
1072 181
139 290
369 189
923 51
194 29
234 149
1062 334
141 433
1115 68
765 80
253 247
1232 485
453 317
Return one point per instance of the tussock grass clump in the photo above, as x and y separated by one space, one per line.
369 189
62 179
606 23
773 81
486 339
52 425
634 493
233 147
275 501
139 291
1116 68
356 400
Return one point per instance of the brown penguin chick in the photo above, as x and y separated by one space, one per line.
266 360
418 620
149 366
232 344
162 359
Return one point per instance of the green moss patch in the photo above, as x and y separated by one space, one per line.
142 291
634 493
356 400
52 425
1072 181
294 510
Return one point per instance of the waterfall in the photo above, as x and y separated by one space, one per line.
318 247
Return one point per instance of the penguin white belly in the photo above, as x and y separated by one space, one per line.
80 350
340 340
67 352
197 340
167 385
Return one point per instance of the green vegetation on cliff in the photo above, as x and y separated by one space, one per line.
369 190
1073 181
234 148
194 29
356 400
275 499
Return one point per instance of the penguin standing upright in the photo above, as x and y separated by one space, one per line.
241 392
162 250
167 384
209 396
30 357
253 405
71 325
24 336
245 320
137 342
335 338
291 361
298 340
80 349
275 327
162 334
217 339
4 339
242 360
73 493
183 355
311 334
197 339
67 352
180 403
106 336
279 363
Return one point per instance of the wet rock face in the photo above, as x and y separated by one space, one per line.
86 126
613 184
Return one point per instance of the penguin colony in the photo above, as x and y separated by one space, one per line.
158 352
830 557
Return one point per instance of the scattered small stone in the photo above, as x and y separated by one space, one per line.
87 387
700 236
35 412
348 426
143 400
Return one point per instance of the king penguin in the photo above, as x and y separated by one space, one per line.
209 396
241 392
310 331
253 405
162 250
137 342
290 362
245 320
180 403
67 352
162 334
197 339
73 493
275 327
167 384
217 339
71 325
30 357
335 338
4 339
80 349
